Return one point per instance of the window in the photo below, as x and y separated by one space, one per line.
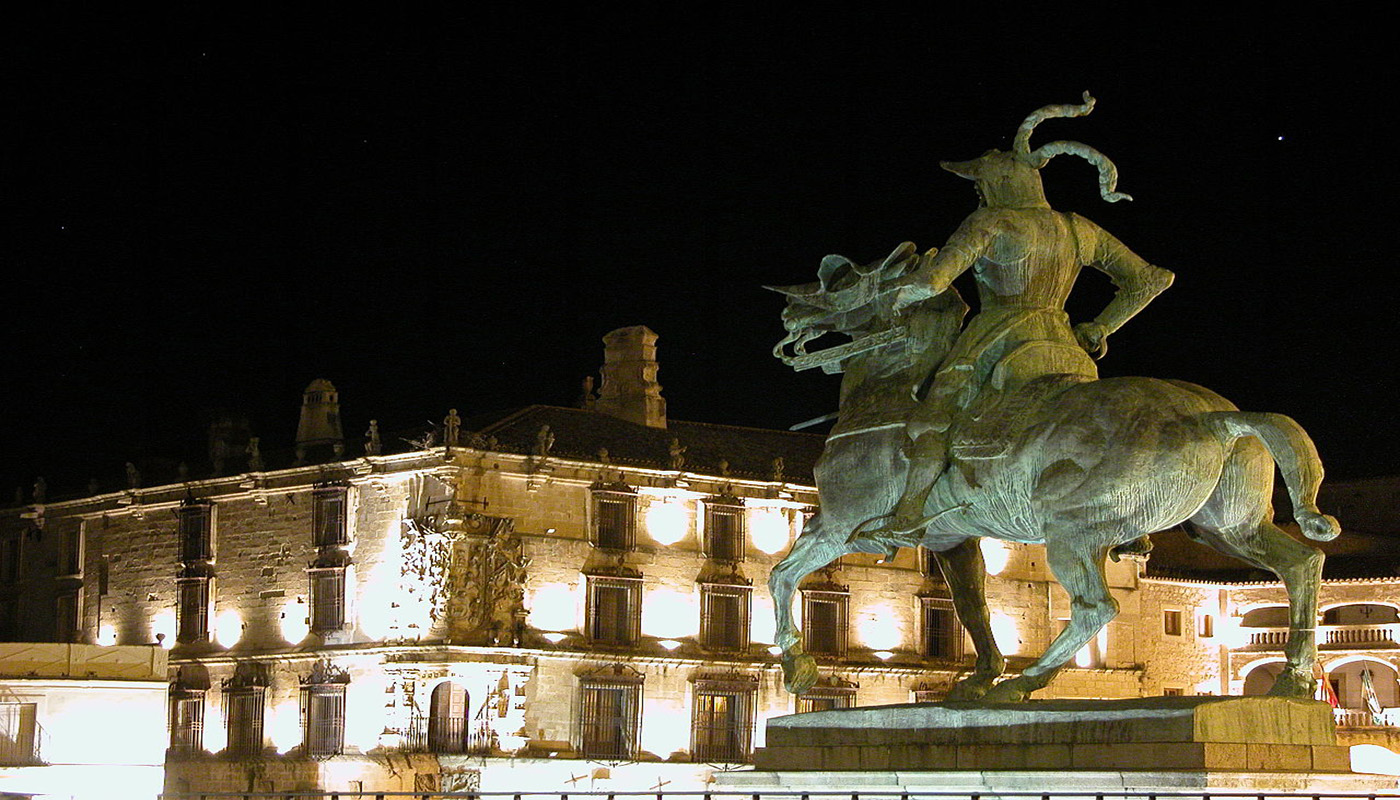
192 610
928 565
9 559
328 517
722 721
9 621
68 616
609 714
1172 691
70 555
323 718
615 520
827 697
925 693
942 632
19 746
614 610
243 712
196 543
1171 622
724 617
724 531
186 721
327 599
824 622
1205 626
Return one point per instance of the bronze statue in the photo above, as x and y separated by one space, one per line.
1016 437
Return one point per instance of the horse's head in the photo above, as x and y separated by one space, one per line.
847 298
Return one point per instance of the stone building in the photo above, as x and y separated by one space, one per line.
560 598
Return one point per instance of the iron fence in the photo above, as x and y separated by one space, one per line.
988 794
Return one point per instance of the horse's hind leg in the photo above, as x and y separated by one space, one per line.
966 575
1299 566
1236 521
1077 562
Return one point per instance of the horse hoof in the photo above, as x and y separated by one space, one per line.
1009 691
799 673
973 687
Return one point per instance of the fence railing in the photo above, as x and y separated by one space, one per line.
988 794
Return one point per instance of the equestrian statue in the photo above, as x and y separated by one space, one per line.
1001 428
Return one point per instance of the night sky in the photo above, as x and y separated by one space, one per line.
209 213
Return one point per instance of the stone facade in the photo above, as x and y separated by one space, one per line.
478 614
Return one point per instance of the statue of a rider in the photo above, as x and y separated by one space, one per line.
1026 257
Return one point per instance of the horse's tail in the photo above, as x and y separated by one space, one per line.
1296 457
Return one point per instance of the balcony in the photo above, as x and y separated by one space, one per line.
1337 637
1362 718
447 735
21 736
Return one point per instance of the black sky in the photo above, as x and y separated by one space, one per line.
449 212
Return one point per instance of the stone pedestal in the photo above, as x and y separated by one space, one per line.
1269 743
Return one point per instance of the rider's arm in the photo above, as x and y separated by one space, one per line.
1138 282
937 271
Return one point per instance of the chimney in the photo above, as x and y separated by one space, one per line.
320 419
629 389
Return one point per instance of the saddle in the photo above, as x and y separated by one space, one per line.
1024 380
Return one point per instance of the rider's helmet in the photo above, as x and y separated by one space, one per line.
1012 180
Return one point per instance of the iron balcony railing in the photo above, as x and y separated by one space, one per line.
441 734
21 736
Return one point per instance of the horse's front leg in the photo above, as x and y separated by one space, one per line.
815 548
965 572
1078 566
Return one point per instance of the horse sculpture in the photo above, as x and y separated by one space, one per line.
1037 449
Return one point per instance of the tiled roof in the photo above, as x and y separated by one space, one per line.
582 434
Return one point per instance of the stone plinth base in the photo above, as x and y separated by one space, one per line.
1177 734
1016 783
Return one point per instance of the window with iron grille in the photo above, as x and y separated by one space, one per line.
721 730
186 721
323 718
192 610
67 616
724 531
614 610
327 599
196 540
615 520
942 632
609 718
328 517
923 694
826 698
724 617
243 714
824 622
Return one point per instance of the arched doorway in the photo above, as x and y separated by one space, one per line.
1260 678
1367 692
447 719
